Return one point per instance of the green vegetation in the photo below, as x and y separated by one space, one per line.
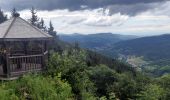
69 76
3 17
76 74
154 50
36 87
152 92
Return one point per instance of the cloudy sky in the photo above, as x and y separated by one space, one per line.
133 17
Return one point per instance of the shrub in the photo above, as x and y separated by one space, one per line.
36 87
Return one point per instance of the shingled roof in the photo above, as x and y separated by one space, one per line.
16 29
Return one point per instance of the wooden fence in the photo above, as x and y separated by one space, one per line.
20 64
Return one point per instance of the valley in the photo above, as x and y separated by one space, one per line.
149 54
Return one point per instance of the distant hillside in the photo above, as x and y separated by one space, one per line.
151 54
155 50
98 41
93 58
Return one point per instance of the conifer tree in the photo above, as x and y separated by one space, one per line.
34 18
51 29
14 13
2 16
42 25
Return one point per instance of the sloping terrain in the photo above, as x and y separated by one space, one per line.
154 50
97 42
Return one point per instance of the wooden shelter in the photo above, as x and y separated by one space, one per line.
23 48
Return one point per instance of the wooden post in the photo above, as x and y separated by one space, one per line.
7 65
25 47
43 56
47 49
45 46
46 56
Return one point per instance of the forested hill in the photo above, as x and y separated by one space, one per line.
149 52
152 53
155 48
95 41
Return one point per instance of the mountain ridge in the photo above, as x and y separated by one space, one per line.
95 41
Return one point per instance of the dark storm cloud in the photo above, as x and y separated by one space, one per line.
124 6
132 9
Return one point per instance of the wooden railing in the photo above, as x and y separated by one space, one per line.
29 52
29 63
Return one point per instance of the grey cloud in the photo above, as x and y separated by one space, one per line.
124 6
132 9
76 21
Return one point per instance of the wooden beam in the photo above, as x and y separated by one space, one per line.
6 58
43 56
45 46
25 47
8 65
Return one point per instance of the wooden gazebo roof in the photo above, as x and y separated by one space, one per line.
17 29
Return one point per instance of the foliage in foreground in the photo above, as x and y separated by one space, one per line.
36 87
99 81
70 76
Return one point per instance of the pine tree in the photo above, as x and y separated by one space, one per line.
2 16
51 30
42 25
34 18
14 13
